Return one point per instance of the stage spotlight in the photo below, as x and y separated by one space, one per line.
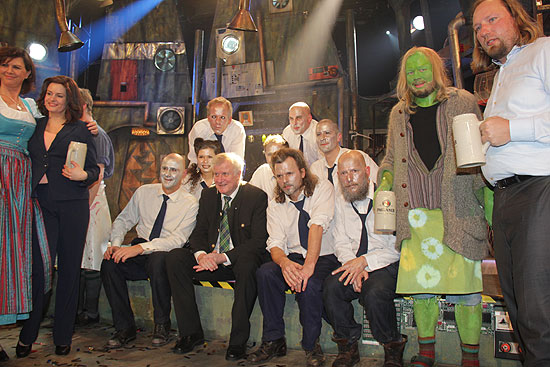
388 33
418 22
37 51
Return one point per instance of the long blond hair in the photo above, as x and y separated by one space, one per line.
440 78
529 31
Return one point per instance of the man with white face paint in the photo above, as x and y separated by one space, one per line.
300 133
328 140
165 216
218 126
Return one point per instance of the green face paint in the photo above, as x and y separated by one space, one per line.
420 79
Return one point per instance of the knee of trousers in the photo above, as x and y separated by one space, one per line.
156 264
178 260
267 272
373 293
333 288
108 267
247 264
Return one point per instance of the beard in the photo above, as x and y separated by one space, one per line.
360 194
429 89
497 52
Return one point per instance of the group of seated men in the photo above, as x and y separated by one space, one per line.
315 237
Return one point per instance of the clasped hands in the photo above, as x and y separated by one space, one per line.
121 254
209 261
296 275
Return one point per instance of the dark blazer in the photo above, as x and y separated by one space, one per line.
51 161
246 216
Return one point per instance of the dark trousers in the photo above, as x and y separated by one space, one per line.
377 295
141 267
179 265
271 294
66 226
88 296
522 251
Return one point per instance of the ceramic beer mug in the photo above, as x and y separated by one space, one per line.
76 152
384 212
470 152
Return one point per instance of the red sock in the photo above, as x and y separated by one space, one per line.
426 349
470 355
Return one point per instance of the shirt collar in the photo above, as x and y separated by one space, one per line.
513 52
234 194
175 196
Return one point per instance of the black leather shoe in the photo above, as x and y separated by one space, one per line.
3 356
268 350
84 320
121 338
21 351
235 352
187 343
161 335
62 350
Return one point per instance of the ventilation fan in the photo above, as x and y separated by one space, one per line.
165 59
171 120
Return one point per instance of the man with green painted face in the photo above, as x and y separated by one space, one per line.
440 224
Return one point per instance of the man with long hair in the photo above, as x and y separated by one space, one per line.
300 242
440 225
517 124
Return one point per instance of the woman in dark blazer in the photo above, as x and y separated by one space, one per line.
62 193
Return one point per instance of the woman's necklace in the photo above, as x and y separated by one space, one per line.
19 108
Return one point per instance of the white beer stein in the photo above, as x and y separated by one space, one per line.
470 152
384 212
76 152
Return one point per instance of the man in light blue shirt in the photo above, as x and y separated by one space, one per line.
517 124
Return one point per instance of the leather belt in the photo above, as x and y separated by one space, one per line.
509 181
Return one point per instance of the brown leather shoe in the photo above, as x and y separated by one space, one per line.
348 353
393 352
315 357
268 350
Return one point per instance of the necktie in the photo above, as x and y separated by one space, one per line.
364 242
303 219
204 185
225 235
330 170
219 137
301 143
157 226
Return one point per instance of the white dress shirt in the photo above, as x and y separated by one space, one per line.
521 94
311 150
347 235
143 208
320 169
282 220
233 138
264 179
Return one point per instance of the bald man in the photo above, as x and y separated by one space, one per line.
368 271
165 216
329 138
300 133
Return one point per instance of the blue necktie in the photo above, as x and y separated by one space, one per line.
330 170
157 226
219 137
303 219
364 242
301 143
204 185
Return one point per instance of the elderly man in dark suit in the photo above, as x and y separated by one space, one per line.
227 243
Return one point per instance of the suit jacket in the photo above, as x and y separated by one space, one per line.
51 161
246 217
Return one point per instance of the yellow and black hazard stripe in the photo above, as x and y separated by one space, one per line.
230 284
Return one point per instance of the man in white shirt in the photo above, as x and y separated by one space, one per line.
300 133
165 216
228 243
368 272
328 140
263 176
300 243
218 126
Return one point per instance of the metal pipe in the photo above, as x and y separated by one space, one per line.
197 67
341 99
263 67
351 45
219 64
454 48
